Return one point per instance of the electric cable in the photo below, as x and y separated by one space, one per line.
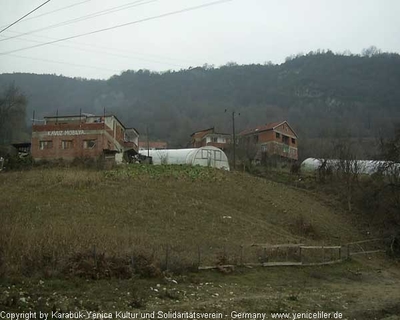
120 25
24 16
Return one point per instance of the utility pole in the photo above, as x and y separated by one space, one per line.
234 137
234 140
148 143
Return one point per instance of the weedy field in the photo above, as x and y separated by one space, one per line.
53 218
119 230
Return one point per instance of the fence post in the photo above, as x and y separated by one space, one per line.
241 255
301 255
323 254
133 260
287 254
55 257
264 259
166 257
198 256
94 254
340 253
348 251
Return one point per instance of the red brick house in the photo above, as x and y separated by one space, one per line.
209 137
152 145
70 137
277 138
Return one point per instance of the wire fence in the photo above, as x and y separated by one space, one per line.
265 255
287 254
178 259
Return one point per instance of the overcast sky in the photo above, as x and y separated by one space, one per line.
242 31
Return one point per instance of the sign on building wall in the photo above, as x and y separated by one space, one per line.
66 133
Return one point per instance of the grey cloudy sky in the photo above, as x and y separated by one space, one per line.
243 31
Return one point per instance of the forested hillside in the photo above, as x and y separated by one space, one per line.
321 94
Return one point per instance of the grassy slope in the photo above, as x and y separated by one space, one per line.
69 210
64 211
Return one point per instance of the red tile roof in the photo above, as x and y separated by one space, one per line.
153 144
265 127
201 133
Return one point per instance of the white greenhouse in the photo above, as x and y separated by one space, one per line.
360 166
208 156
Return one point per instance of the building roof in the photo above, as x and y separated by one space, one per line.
216 133
92 116
127 129
21 145
205 132
265 127
153 144
201 131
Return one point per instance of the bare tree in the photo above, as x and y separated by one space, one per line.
390 152
387 192
247 152
347 168
338 158
370 51
12 112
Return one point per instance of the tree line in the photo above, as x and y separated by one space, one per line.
322 94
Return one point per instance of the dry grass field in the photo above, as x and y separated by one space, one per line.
69 239
51 215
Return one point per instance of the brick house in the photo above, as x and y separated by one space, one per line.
209 137
277 138
152 145
70 137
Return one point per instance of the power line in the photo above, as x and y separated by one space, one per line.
121 25
107 53
108 49
64 63
47 13
86 17
25 16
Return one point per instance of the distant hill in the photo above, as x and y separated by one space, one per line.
321 94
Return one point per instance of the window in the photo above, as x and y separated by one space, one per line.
217 155
293 141
285 140
264 148
89 144
66 144
206 154
255 138
286 149
278 135
45 145
215 139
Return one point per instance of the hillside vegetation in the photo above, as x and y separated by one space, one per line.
321 94
52 218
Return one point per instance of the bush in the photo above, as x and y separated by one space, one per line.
100 266
304 228
18 163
